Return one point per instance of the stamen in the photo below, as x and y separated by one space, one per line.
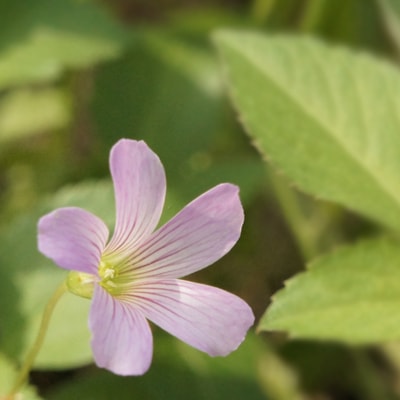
108 273
114 276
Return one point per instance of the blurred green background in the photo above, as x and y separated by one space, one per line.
76 76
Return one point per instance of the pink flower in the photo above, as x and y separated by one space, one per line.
133 277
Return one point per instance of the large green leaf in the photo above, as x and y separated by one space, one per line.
325 117
351 295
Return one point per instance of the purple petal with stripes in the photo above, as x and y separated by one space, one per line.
204 231
121 337
73 238
207 318
139 184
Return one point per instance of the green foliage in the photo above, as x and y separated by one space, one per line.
39 39
325 117
187 130
134 97
328 119
178 372
44 109
77 75
351 295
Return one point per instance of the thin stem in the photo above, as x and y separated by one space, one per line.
312 15
373 386
261 9
37 344
294 215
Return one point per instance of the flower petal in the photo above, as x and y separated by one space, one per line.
121 337
139 184
205 317
204 231
73 238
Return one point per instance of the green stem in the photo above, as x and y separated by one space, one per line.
312 15
371 384
294 215
37 344
261 10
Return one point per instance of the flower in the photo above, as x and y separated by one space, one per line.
134 276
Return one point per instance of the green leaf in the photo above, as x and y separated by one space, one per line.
325 117
25 112
28 279
39 39
7 377
352 295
